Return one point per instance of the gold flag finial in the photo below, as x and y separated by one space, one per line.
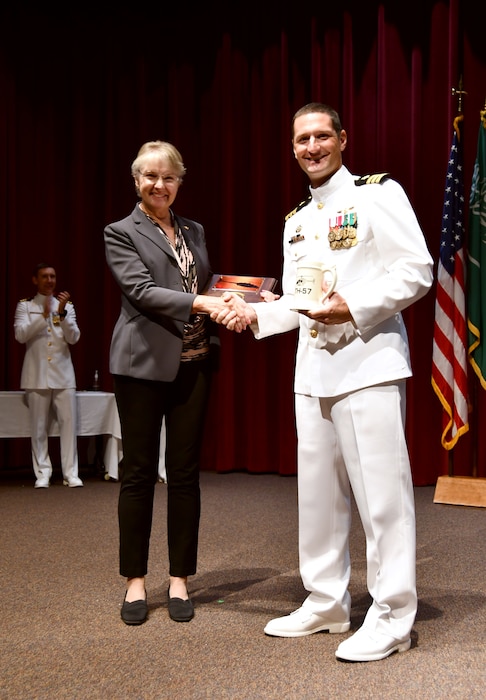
460 92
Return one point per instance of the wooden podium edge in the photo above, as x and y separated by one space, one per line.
461 491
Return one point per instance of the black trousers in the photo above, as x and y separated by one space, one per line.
141 406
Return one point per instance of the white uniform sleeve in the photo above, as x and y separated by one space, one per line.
406 271
27 325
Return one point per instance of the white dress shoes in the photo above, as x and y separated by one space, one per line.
42 483
369 645
72 481
302 622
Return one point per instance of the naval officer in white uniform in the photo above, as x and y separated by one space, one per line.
351 366
47 326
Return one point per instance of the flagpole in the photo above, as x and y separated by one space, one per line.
459 91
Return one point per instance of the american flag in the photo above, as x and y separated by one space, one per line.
449 355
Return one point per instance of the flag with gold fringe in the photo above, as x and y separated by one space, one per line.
476 320
449 354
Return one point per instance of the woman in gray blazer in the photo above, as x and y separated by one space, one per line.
161 366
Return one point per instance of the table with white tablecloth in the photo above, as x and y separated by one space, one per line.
97 415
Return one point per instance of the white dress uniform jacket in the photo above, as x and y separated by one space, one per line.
47 363
383 269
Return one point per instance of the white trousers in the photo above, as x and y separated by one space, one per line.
357 440
63 402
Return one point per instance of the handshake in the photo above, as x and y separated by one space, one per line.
229 309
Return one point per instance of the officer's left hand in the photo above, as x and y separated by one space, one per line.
332 312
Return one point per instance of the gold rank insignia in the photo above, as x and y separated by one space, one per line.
375 179
342 230
298 208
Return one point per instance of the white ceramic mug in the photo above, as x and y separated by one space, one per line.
308 284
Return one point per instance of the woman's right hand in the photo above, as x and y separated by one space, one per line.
229 310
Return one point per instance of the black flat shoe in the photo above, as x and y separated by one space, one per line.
134 613
180 610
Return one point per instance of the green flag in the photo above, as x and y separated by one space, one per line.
476 320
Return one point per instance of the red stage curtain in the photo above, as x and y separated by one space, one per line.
82 92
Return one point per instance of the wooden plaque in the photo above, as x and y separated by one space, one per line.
247 286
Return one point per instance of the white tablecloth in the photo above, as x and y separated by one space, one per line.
97 415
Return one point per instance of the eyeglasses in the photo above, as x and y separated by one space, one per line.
167 180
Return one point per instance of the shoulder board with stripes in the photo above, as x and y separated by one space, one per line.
375 179
298 208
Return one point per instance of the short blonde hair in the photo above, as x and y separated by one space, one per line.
164 150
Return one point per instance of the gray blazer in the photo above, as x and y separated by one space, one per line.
147 338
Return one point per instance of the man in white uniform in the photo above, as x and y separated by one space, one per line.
47 325
351 366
